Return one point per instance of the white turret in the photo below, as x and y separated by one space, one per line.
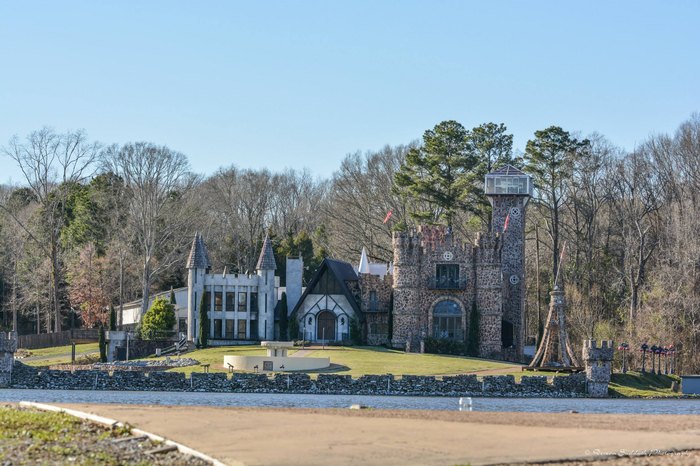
198 265
267 296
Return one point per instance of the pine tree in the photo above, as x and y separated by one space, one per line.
441 172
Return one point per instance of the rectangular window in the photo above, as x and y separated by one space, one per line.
229 329
230 302
447 276
253 329
253 301
241 329
218 301
217 328
372 300
196 303
242 296
182 325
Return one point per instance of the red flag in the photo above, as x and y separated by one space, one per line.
388 216
505 224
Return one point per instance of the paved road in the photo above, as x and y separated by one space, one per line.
264 436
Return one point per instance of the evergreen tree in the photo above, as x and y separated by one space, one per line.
159 320
473 337
102 343
283 317
112 318
550 158
203 323
441 172
172 296
293 328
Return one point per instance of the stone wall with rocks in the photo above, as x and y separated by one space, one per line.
8 346
376 313
459 385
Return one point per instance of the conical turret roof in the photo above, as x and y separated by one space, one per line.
199 257
267 256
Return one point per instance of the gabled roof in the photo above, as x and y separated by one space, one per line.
267 256
199 257
343 272
507 170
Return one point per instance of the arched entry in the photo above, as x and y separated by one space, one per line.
447 321
325 326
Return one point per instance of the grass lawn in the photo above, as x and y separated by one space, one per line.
358 361
58 354
635 384
215 357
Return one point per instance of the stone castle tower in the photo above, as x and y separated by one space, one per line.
598 366
509 191
438 279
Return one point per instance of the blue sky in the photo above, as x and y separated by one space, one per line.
303 83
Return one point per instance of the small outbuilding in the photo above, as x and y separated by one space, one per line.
690 384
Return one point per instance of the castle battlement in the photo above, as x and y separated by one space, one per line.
604 344
8 342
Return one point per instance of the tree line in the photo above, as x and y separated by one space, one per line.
93 225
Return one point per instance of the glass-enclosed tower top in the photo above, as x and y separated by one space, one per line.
508 181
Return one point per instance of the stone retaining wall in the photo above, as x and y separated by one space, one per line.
573 385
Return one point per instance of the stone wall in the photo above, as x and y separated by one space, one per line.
8 346
26 377
377 317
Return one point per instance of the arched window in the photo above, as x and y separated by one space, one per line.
447 320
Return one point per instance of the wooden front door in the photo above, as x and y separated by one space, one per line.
325 326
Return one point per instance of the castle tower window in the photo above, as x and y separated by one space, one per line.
372 300
242 301
447 321
218 301
230 301
447 277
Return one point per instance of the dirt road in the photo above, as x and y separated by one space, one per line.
347 437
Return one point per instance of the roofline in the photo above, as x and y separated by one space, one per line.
314 281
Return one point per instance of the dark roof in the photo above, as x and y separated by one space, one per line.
199 257
267 256
343 272
507 170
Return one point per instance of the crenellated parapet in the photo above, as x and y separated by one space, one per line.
8 346
487 248
598 360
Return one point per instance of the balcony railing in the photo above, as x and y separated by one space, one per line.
447 283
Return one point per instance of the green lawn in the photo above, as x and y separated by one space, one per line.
357 361
215 357
58 354
634 384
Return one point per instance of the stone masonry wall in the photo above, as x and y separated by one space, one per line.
27 377
377 319
8 346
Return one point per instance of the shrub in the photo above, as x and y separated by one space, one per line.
102 345
159 320
293 327
445 346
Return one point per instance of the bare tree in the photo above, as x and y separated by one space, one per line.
50 162
158 185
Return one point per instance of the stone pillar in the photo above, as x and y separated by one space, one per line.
598 365
8 346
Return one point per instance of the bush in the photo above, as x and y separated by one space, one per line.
293 327
159 320
445 346
102 345
355 332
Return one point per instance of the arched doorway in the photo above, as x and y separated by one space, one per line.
447 321
325 326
